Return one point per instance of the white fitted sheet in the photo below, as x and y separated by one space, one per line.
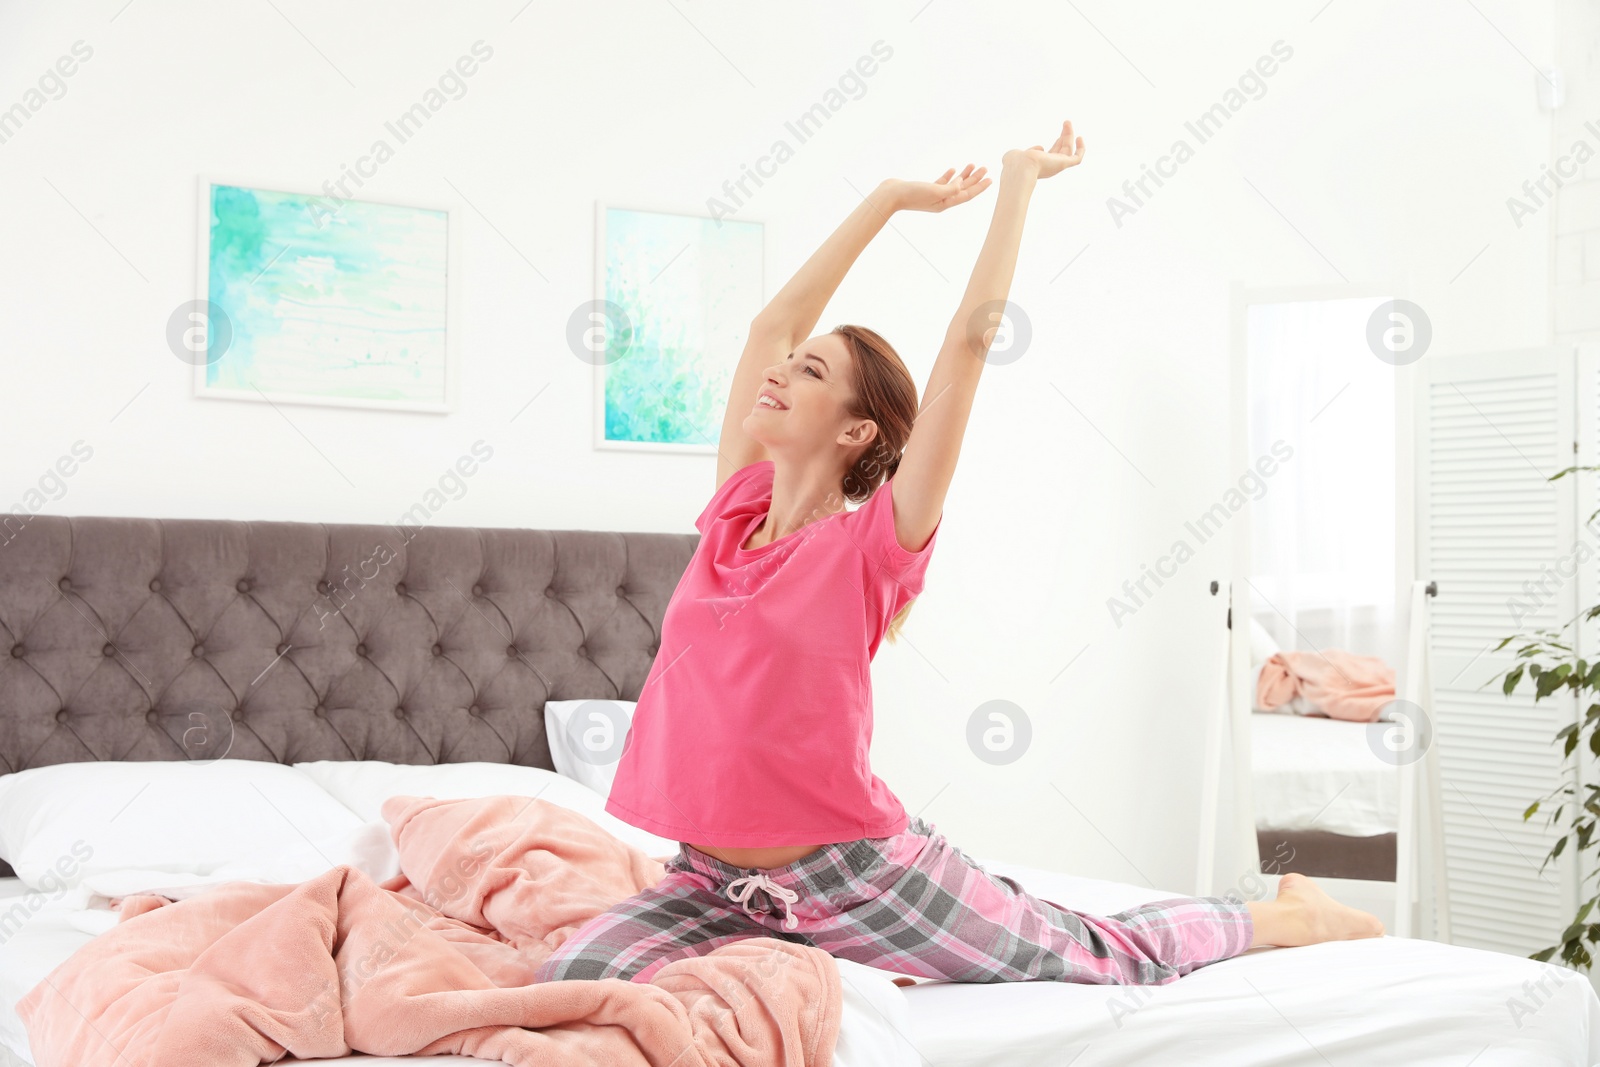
1373 1003
1309 772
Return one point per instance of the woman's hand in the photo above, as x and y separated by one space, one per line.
948 191
1049 161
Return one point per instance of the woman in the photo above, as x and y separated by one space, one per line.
749 743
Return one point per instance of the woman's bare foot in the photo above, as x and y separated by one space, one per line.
1303 914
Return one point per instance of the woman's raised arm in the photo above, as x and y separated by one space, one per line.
929 462
790 316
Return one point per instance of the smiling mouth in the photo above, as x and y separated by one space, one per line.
768 403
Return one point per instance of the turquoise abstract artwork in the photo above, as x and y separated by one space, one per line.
346 307
686 289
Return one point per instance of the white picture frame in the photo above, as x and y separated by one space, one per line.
711 433
445 399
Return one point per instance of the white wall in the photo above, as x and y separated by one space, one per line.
1386 145
1575 161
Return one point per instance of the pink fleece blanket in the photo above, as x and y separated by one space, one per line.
1339 683
438 960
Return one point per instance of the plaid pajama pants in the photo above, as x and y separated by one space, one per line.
913 904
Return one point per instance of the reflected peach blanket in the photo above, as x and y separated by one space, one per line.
438 960
1339 683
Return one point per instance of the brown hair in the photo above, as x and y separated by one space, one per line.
883 391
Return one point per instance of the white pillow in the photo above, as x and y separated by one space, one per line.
363 785
587 737
369 847
66 822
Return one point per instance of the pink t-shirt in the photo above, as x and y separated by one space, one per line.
753 726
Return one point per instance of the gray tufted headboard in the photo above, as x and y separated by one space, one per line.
150 639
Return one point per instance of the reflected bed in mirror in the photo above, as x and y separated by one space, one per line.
1325 807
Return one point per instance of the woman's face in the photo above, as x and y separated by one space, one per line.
811 387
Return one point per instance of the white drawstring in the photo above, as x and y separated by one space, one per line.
739 891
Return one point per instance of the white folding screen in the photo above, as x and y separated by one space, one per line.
1491 428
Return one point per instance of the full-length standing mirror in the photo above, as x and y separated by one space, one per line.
1328 705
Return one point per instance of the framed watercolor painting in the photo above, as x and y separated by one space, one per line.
675 295
312 299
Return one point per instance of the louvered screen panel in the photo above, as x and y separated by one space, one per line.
1492 429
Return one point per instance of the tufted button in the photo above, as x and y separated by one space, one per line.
361 650
61 716
319 711
477 590
654 649
399 713
438 650
155 585
108 651
243 585
511 650
622 590
400 587
238 714
550 591
199 650
323 587
152 715
283 648
17 651
65 585
474 710
583 650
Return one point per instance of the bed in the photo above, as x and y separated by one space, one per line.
1325 806
431 649
1397 1001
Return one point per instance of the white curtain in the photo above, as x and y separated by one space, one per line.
1323 532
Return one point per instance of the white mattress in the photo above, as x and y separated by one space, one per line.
1374 1003
1309 772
